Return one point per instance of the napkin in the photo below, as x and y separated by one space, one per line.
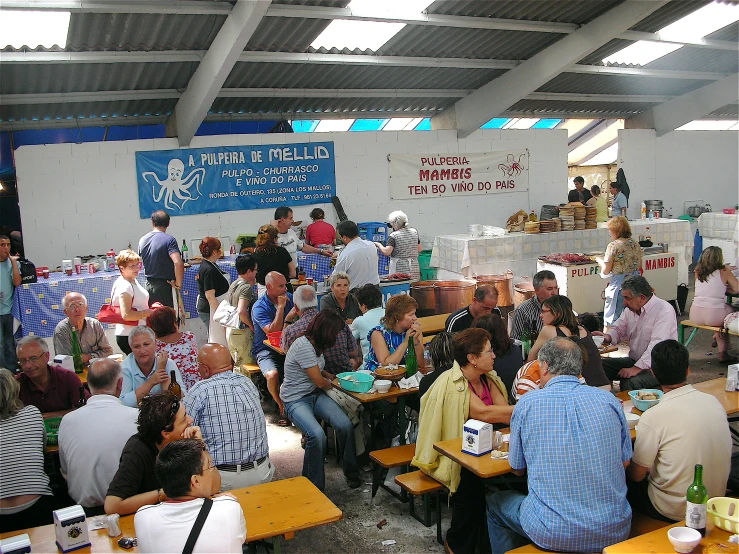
410 382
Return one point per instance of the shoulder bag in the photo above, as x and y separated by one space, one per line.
226 314
197 526
111 312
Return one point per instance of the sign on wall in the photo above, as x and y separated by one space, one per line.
434 175
204 180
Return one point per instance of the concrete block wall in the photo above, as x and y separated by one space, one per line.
679 167
79 199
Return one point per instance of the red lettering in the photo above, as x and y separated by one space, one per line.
444 174
423 175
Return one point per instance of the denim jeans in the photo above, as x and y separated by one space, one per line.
7 344
304 414
504 525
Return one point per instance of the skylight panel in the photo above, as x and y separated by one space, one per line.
709 125
606 157
521 123
642 52
601 139
402 124
546 124
33 28
368 124
574 126
495 123
304 125
333 125
368 35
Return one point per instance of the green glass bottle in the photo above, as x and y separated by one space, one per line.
696 503
526 341
185 250
76 352
411 362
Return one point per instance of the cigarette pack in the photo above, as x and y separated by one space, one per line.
477 437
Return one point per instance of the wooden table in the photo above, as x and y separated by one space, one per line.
714 387
432 324
273 510
273 348
395 393
483 466
657 541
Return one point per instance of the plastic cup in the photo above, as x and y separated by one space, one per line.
45 273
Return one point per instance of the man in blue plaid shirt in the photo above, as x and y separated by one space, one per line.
226 407
574 443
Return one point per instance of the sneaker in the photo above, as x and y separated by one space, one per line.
353 482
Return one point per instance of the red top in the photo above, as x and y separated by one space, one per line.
320 232
62 391
486 398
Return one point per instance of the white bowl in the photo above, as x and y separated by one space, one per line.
632 420
383 385
598 340
683 539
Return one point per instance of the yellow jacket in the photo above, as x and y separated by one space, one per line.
444 409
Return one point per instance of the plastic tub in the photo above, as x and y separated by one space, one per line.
719 509
644 405
374 231
355 382
274 338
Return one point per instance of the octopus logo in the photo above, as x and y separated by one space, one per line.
512 167
175 185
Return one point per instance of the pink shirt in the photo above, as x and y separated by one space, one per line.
710 294
655 323
486 398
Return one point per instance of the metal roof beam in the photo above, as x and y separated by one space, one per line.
212 72
171 7
500 94
594 152
576 97
645 72
683 109
99 96
697 43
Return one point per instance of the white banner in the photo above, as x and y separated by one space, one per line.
433 175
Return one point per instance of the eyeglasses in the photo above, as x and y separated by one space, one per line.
138 265
211 465
174 408
31 360
486 352
76 306
546 311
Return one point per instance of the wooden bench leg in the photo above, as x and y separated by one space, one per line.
427 518
692 334
439 538
681 333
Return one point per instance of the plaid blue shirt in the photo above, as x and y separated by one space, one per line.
227 409
572 439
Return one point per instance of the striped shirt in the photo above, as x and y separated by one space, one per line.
462 319
572 440
527 316
227 409
22 439
405 243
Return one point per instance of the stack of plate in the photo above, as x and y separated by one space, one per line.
531 227
557 224
591 213
579 218
567 215
548 212
547 226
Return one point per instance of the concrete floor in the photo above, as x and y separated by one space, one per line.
357 531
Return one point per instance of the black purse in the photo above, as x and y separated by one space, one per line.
198 526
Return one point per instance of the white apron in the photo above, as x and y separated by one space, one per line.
216 331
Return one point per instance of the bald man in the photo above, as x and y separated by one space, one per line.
270 313
90 333
226 407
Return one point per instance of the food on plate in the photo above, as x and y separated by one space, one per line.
396 277
646 395
567 258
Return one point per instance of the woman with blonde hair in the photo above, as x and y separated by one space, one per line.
132 298
389 341
712 281
270 256
25 495
622 259
212 288
403 246
339 299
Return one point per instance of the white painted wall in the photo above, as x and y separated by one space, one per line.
78 199
680 166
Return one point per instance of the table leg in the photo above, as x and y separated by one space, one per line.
276 545
401 418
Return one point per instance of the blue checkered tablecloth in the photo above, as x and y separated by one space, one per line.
38 306
317 267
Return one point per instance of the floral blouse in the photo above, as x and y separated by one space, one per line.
625 255
184 353
392 339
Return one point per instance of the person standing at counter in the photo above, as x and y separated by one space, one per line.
600 204
212 288
130 296
619 203
623 258
163 265
528 314
583 193
358 259
10 278
288 239
270 256
403 246
319 233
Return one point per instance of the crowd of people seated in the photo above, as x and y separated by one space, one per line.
135 447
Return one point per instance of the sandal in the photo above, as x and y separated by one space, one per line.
283 422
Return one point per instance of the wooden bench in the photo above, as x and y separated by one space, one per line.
418 483
250 369
397 456
432 324
640 525
681 325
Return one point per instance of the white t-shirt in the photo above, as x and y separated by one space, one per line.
289 241
164 528
362 325
91 440
140 302
686 428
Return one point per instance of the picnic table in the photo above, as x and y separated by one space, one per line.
483 466
714 387
272 510
657 541
277 349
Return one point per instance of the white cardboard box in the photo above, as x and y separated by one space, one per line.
732 372
71 528
477 437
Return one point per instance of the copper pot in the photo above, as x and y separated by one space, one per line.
502 283
423 292
522 292
453 295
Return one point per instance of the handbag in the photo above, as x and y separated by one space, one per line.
197 526
227 315
27 269
111 313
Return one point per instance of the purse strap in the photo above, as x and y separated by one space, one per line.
198 526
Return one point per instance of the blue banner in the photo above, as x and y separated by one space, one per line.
204 180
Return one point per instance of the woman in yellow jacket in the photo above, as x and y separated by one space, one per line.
469 390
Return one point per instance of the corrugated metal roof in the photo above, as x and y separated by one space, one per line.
728 111
619 84
669 13
698 59
535 108
87 110
329 105
296 75
558 11
81 77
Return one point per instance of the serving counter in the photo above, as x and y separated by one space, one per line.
461 256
